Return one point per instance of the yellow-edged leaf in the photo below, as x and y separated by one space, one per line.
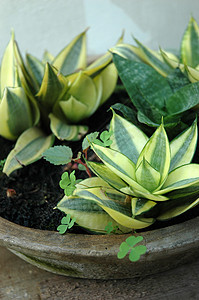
15 113
73 56
64 131
29 148
127 138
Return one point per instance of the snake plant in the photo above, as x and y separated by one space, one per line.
154 96
68 90
164 61
50 96
139 179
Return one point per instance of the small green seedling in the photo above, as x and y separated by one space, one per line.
135 252
2 162
105 139
66 223
110 228
91 137
68 182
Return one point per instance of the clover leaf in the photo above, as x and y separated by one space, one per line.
68 182
105 139
110 228
66 223
135 251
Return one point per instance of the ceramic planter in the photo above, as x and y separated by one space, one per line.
95 256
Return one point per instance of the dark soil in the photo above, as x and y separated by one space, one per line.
29 195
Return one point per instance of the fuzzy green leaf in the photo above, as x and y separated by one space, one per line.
58 155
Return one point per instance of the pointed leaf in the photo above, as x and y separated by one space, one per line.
28 149
47 57
106 174
73 56
140 206
157 153
51 87
180 178
146 88
190 44
127 138
36 69
183 147
118 163
154 59
9 75
147 176
15 113
73 110
128 51
85 91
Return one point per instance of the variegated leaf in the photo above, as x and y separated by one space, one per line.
190 44
127 138
118 163
154 59
109 79
64 131
52 87
85 92
36 69
141 206
47 57
107 175
177 210
192 73
147 176
87 213
183 147
181 178
9 75
157 153
15 113
128 51
28 149
73 56
117 209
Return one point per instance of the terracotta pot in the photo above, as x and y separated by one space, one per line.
95 256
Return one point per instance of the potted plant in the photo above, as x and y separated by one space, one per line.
135 186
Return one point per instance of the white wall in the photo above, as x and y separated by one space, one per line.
51 24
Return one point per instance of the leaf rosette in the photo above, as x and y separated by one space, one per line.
139 179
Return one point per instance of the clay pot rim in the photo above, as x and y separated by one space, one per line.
13 235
